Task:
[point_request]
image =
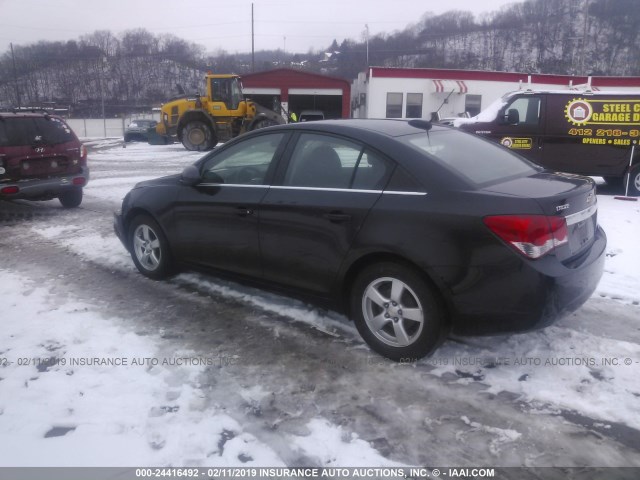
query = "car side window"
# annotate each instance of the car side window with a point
(372, 172)
(323, 161)
(4, 138)
(245, 163)
(528, 110)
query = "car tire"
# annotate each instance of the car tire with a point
(633, 179)
(397, 312)
(197, 136)
(149, 248)
(71, 198)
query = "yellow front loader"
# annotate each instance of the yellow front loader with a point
(200, 122)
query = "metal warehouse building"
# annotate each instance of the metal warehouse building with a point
(295, 91)
(421, 92)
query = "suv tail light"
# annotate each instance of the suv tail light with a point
(83, 155)
(532, 235)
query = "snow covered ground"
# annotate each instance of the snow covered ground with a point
(101, 367)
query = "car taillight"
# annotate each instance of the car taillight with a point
(79, 181)
(532, 235)
(83, 154)
(9, 190)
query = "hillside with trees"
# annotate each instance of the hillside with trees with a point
(138, 69)
(575, 37)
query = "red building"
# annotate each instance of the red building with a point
(295, 91)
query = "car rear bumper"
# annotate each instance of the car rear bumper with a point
(137, 133)
(44, 188)
(537, 293)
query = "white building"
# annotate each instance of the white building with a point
(421, 92)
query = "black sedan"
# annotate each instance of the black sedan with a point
(139, 130)
(410, 229)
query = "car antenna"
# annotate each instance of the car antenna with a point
(422, 124)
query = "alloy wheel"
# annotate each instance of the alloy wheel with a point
(393, 312)
(146, 246)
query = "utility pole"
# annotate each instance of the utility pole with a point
(101, 77)
(253, 52)
(366, 27)
(15, 75)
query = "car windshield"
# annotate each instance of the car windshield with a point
(471, 157)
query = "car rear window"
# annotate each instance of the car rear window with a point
(54, 131)
(15, 132)
(478, 160)
(21, 131)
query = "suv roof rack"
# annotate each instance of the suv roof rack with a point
(24, 110)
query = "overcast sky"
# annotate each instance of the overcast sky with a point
(293, 25)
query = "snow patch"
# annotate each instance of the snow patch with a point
(501, 436)
(329, 445)
(78, 392)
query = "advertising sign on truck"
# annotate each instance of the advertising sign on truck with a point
(587, 133)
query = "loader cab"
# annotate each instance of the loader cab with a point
(226, 89)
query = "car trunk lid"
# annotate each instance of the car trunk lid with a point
(567, 196)
(28, 162)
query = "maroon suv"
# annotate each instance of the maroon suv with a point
(41, 158)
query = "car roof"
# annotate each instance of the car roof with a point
(386, 127)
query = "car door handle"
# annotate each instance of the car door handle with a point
(337, 217)
(244, 211)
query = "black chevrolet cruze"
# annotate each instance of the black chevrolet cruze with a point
(411, 230)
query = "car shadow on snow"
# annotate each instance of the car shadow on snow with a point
(15, 211)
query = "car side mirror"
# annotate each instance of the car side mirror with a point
(513, 116)
(190, 175)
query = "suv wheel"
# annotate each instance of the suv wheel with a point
(396, 312)
(71, 198)
(149, 248)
